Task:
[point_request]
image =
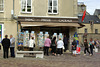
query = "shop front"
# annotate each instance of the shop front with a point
(41, 27)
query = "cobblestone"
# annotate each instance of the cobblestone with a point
(67, 60)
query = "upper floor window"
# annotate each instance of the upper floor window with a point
(85, 30)
(96, 31)
(1, 5)
(26, 6)
(52, 6)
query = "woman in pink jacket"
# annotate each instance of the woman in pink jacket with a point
(47, 44)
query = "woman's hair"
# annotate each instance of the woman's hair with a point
(32, 37)
(53, 39)
(59, 38)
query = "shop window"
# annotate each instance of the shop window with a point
(96, 31)
(1, 5)
(26, 6)
(52, 6)
(85, 30)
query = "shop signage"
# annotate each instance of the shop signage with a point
(41, 19)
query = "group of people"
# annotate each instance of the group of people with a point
(56, 46)
(92, 44)
(8, 43)
(53, 44)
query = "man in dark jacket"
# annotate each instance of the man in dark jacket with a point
(6, 44)
(65, 40)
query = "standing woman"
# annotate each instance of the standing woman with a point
(74, 44)
(54, 43)
(60, 45)
(86, 47)
(47, 44)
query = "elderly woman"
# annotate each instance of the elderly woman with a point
(47, 44)
(60, 45)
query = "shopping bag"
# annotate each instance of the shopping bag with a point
(96, 49)
(63, 47)
(78, 50)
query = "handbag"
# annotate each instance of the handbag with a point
(63, 47)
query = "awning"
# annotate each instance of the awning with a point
(49, 21)
(27, 24)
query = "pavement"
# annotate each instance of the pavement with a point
(67, 60)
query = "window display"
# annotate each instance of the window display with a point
(61, 36)
(40, 39)
(26, 38)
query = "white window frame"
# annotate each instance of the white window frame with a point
(26, 7)
(3, 6)
(52, 7)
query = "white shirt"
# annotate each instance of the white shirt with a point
(60, 44)
(31, 43)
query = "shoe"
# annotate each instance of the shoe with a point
(90, 54)
(58, 54)
(61, 54)
(84, 54)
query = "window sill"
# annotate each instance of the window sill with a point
(53, 13)
(26, 12)
(1, 11)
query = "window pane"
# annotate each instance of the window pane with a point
(54, 9)
(1, 2)
(28, 5)
(96, 31)
(1, 7)
(23, 5)
(55, 3)
(50, 10)
(50, 2)
(85, 30)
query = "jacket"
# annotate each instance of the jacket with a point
(60, 44)
(47, 42)
(6, 43)
(31, 43)
(12, 42)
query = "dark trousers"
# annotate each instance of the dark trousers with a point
(46, 49)
(65, 45)
(31, 49)
(86, 49)
(12, 51)
(53, 49)
(5, 52)
(59, 51)
(91, 49)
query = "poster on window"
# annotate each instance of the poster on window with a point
(26, 39)
(40, 39)
(20, 38)
(61, 36)
(55, 35)
(46, 35)
(32, 34)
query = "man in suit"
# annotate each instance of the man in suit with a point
(12, 46)
(6, 44)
